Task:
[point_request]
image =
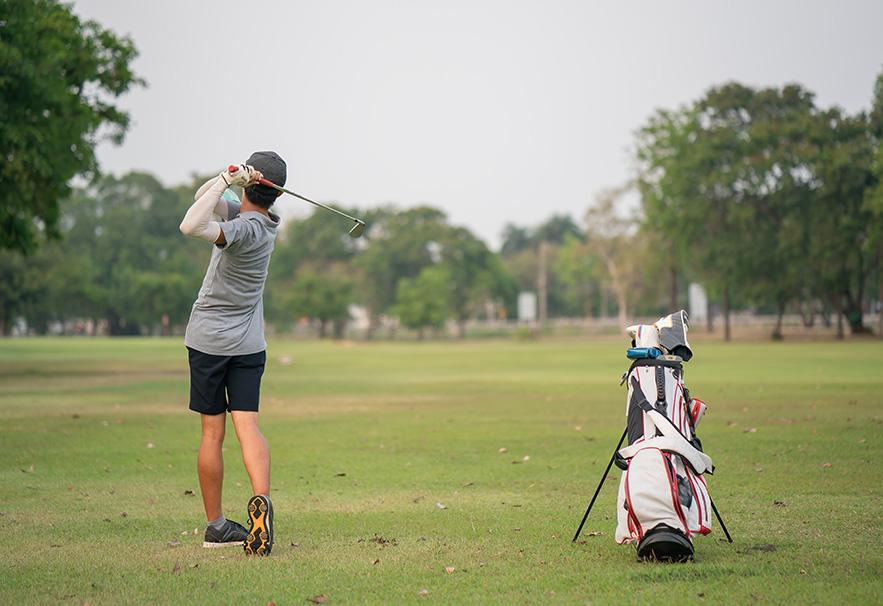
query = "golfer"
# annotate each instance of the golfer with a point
(225, 340)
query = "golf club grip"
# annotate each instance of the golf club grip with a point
(269, 183)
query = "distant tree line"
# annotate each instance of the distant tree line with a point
(121, 263)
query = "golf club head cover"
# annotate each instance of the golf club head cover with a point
(643, 335)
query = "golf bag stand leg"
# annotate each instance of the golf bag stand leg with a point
(720, 520)
(601, 483)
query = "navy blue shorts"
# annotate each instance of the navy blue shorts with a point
(222, 383)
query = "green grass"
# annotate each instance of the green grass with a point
(88, 511)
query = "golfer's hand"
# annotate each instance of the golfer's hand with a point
(242, 175)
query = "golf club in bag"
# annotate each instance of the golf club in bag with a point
(357, 229)
(663, 498)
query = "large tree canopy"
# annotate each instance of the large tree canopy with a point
(59, 79)
(764, 197)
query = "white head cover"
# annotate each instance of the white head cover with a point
(673, 334)
(644, 335)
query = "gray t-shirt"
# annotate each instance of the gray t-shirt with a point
(227, 318)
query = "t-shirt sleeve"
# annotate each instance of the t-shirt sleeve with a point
(239, 234)
(232, 209)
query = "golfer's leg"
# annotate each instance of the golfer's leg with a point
(210, 464)
(255, 450)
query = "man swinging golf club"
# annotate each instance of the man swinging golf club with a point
(225, 340)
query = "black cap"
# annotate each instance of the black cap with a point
(271, 165)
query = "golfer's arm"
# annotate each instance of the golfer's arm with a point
(197, 222)
(221, 208)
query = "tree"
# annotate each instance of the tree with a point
(530, 254)
(59, 78)
(729, 180)
(13, 299)
(140, 267)
(578, 269)
(313, 250)
(557, 229)
(422, 302)
(874, 192)
(516, 239)
(611, 237)
(121, 259)
(473, 275)
(772, 186)
(323, 296)
(841, 224)
(401, 244)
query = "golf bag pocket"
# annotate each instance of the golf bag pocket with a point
(697, 410)
(698, 510)
(649, 496)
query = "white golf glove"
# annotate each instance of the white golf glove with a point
(243, 175)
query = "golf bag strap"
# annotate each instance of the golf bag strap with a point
(661, 404)
(698, 462)
(650, 362)
(674, 441)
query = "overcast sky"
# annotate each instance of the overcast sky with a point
(495, 111)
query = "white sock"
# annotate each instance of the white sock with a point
(217, 523)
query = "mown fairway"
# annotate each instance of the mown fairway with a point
(97, 453)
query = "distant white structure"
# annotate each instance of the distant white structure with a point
(698, 301)
(527, 306)
(360, 319)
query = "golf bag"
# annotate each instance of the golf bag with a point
(663, 499)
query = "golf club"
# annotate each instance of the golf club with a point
(357, 230)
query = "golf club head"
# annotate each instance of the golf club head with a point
(357, 230)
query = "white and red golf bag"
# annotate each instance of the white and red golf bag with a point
(663, 498)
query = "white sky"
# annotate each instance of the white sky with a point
(495, 111)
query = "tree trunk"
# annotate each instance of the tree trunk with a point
(619, 291)
(420, 334)
(338, 327)
(604, 303)
(322, 326)
(880, 292)
(373, 321)
(622, 304)
(461, 328)
(824, 312)
(807, 314)
(777, 330)
(542, 284)
(709, 318)
(726, 303)
(673, 293)
(854, 314)
(838, 309)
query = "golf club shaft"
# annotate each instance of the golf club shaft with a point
(268, 183)
(600, 484)
(305, 199)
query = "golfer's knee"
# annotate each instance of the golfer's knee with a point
(246, 422)
(213, 435)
